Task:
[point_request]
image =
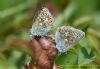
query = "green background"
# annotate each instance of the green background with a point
(16, 17)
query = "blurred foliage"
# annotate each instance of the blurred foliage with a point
(16, 19)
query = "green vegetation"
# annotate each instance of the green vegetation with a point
(16, 18)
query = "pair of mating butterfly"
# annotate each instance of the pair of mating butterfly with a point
(65, 37)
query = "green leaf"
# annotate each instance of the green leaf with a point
(66, 60)
(84, 43)
(83, 57)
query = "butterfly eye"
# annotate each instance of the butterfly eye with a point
(40, 26)
(66, 37)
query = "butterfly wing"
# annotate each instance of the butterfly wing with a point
(66, 37)
(43, 22)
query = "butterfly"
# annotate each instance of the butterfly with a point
(43, 23)
(66, 37)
